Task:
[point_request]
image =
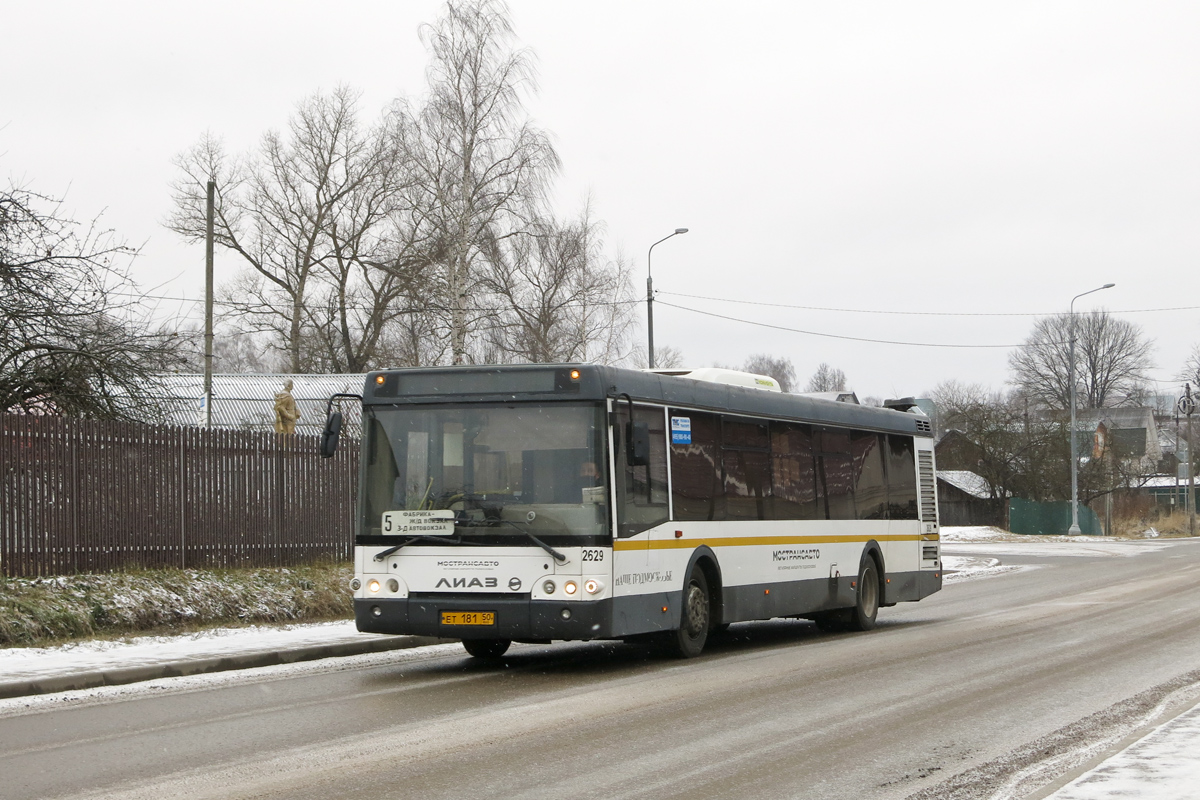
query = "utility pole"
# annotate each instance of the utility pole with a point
(208, 305)
(1074, 529)
(650, 298)
(1175, 496)
(1191, 492)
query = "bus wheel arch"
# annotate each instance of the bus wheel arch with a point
(705, 559)
(698, 605)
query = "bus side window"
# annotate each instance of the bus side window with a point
(902, 477)
(793, 472)
(697, 481)
(642, 492)
(837, 473)
(747, 469)
(870, 483)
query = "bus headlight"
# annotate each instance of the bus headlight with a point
(393, 585)
(373, 587)
(355, 584)
(592, 586)
(571, 587)
(548, 587)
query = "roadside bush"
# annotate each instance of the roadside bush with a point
(67, 607)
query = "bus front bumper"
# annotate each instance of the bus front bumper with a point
(515, 617)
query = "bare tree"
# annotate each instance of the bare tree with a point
(483, 167)
(419, 241)
(1111, 359)
(826, 379)
(313, 215)
(1191, 367)
(1016, 448)
(665, 357)
(234, 351)
(777, 367)
(72, 339)
(561, 299)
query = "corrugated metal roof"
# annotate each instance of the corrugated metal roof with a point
(967, 481)
(248, 401)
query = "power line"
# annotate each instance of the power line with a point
(914, 313)
(838, 336)
(247, 305)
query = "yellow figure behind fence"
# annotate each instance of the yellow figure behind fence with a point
(286, 412)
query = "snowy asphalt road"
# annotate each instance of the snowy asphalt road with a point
(998, 687)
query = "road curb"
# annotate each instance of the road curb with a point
(199, 666)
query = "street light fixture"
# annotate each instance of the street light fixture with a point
(650, 296)
(1074, 529)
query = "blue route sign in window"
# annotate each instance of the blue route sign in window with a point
(681, 430)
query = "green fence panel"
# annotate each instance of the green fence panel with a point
(1035, 519)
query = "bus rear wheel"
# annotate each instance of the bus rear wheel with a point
(688, 640)
(866, 604)
(486, 648)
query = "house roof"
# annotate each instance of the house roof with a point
(1140, 417)
(248, 401)
(966, 481)
(1164, 482)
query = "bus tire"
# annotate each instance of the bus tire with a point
(866, 602)
(688, 639)
(486, 648)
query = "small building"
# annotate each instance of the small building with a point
(965, 498)
(1131, 433)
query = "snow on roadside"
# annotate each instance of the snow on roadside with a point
(989, 533)
(39, 663)
(395, 659)
(1160, 764)
(957, 569)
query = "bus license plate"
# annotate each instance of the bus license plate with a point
(468, 618)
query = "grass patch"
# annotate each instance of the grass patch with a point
(45, 610)
(1167, 526)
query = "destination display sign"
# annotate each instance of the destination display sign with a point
(439, 522)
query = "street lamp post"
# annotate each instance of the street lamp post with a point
(650, 296)
(1074, 529)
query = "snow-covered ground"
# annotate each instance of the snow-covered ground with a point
(39, 663)
(1163, 764)
(993, 542)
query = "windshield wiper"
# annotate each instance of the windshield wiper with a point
(418, 538)
(559, 557)
(491, 523)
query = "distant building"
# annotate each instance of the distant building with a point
(964, 498)
(1132, 434)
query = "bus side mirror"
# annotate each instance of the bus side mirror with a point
(639, 444)
(329, 437)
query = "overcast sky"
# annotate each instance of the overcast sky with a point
(970, 165)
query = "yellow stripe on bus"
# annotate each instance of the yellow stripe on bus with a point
(749, 541)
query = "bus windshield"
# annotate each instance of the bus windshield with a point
(491, 464)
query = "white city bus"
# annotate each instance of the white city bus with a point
(538, 503)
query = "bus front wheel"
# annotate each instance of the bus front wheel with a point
(486, 648)
(688, 640)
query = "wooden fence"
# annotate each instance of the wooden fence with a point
(99, 496)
